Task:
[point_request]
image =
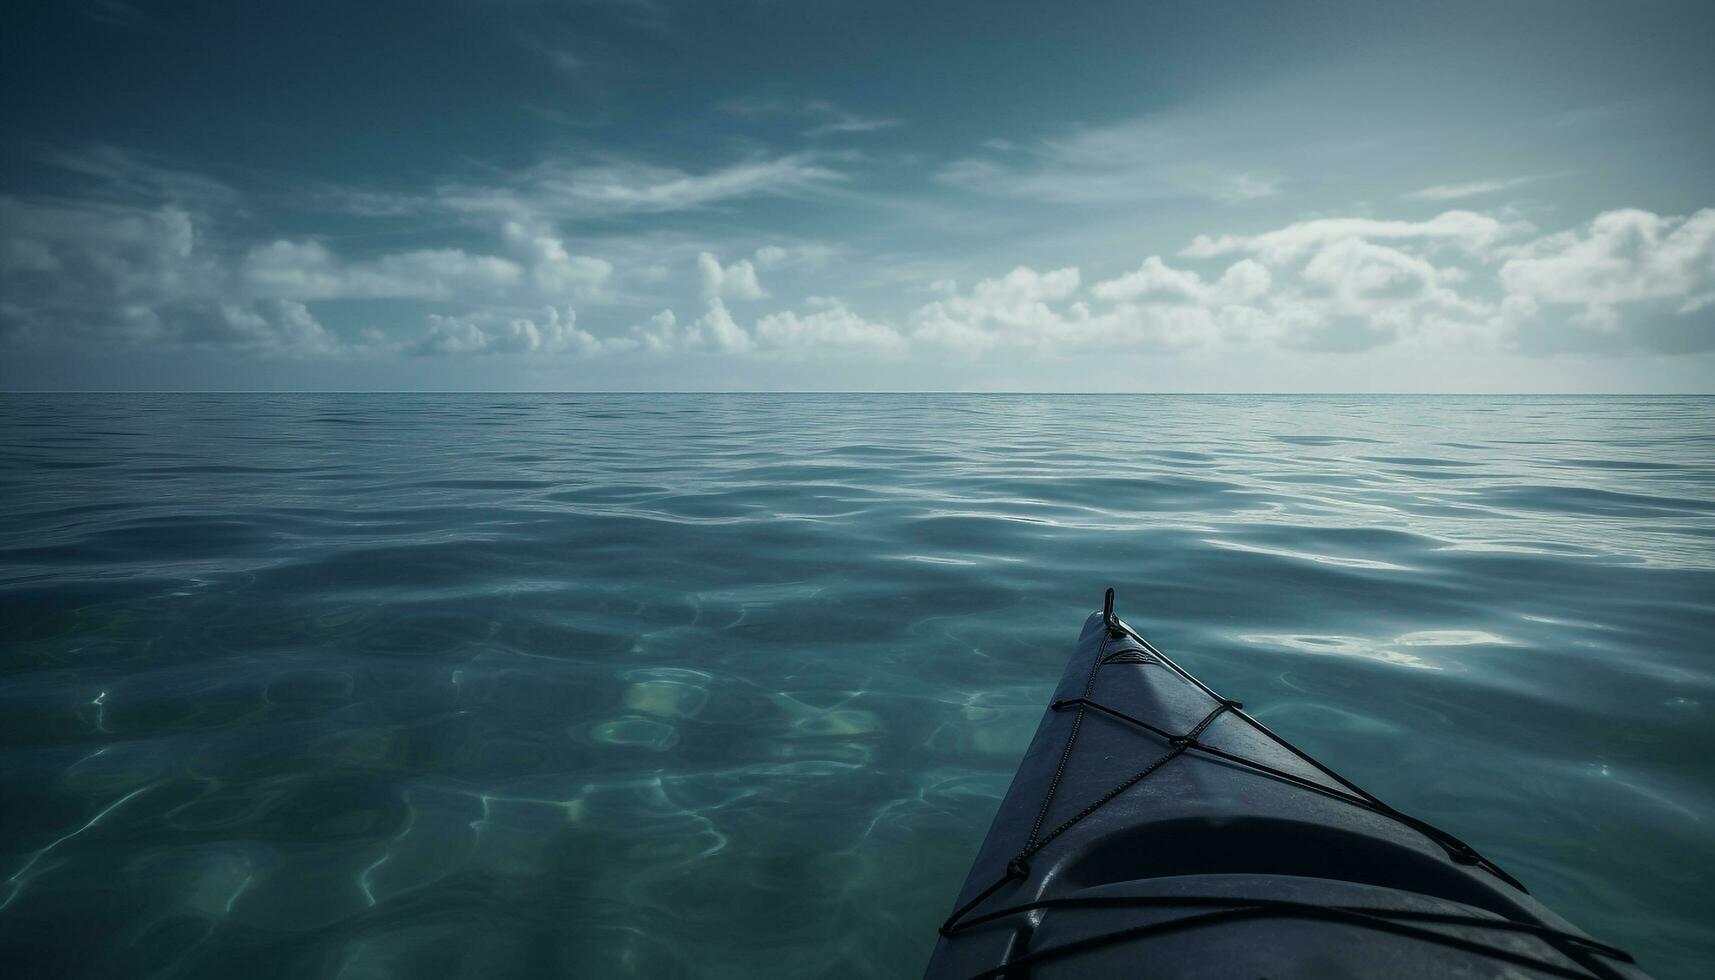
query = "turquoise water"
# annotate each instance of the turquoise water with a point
(367, 686)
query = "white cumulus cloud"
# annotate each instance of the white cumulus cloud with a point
(1622, 258)
(1243, 281)
(308, 270)
(735, 281)
(717, 329)
(553, 332)
(659, 334)
(1468, 230)
(127, 276)
(831, 327)
(554, 271)
(1010, 309)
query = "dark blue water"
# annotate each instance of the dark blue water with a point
(367, 686)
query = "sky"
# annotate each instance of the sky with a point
(1504, 196)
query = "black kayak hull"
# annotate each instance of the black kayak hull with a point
(1155, 829)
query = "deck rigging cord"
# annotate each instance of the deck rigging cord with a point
(1577, 949)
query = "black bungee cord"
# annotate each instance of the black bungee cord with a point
(1575, 948)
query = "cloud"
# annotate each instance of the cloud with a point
(558, 190)
(1005, 313)
(1009, 309)
(275, 326)
(829, 328)
(1128, 162)
(115, 175)
(556, 272)
(1475, 188)
(1243, 281)
(113, 13)
(717, 329)
(1017, 301)
(1461, 282)
(108, 272)
(1628, 256)
(560, 59)
(1353, 273)
(659, 334)
(123, 275)
(606, 186)
(798, 254)
(551, 333)
(823, 118)
(1315, 285)
(118, 275)
(848, 123)
(308, 270)
(1631, 279)
(1109, 184)
(1468, 230)
(735, 281)
(832, 327)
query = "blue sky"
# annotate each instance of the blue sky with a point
(627, 194)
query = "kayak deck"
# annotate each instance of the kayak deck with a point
(1154, 825)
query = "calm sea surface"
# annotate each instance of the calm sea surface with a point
(366, 686)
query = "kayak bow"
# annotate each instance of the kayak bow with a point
(1154, 828)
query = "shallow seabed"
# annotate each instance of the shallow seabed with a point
(364, 686)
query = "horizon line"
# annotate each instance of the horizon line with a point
(847, 391)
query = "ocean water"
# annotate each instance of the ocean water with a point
(370, 686)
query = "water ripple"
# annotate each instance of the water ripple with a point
(398, 685)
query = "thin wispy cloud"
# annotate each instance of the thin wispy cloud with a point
(608, 186)
(113, 13)
(620, 186)
(816, 117)
(559, 58)
(1473, 188)
(1120, 164)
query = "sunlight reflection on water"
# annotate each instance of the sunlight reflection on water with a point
(397, 685)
